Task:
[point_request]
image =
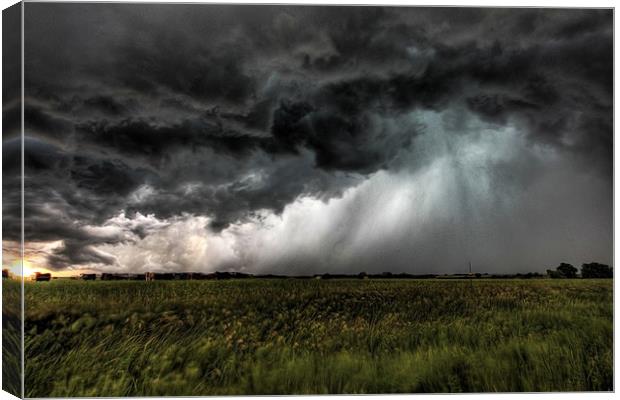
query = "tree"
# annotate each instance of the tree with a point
(596, 270)
(567, 270)
(553, 274)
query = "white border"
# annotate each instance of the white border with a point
(462, 3)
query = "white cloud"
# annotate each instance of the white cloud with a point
(176, 244)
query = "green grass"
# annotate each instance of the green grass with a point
(305, 337)
(11, 336)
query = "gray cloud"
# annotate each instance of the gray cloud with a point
(229, 112)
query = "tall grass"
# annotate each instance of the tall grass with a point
(303, 337)
(11, 336)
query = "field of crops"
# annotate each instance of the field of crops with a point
(309, 336)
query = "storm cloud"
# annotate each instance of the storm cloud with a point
(302, 139)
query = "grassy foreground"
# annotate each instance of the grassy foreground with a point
(304, 337)
(11, 337)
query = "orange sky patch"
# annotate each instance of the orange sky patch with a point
(35, 256)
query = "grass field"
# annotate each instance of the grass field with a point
(307, 336)
(11, 336)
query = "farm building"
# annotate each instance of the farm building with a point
(169, 276)
(121, 277)
(42, 277)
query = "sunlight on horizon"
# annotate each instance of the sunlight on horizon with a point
(30, 268)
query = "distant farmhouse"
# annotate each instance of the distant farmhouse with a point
(41, 277)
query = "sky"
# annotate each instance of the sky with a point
(305, 139)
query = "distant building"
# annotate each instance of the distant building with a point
(122, 277)
(189, 276)
(42, 277)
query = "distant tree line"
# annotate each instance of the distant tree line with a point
(563, 271)
(589, 270)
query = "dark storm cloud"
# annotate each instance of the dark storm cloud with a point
(192, 71)
(11, 188)
(106, 105)
(227, 110)
(140, 137)
(63, 193)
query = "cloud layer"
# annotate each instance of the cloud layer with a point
(301, 139)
